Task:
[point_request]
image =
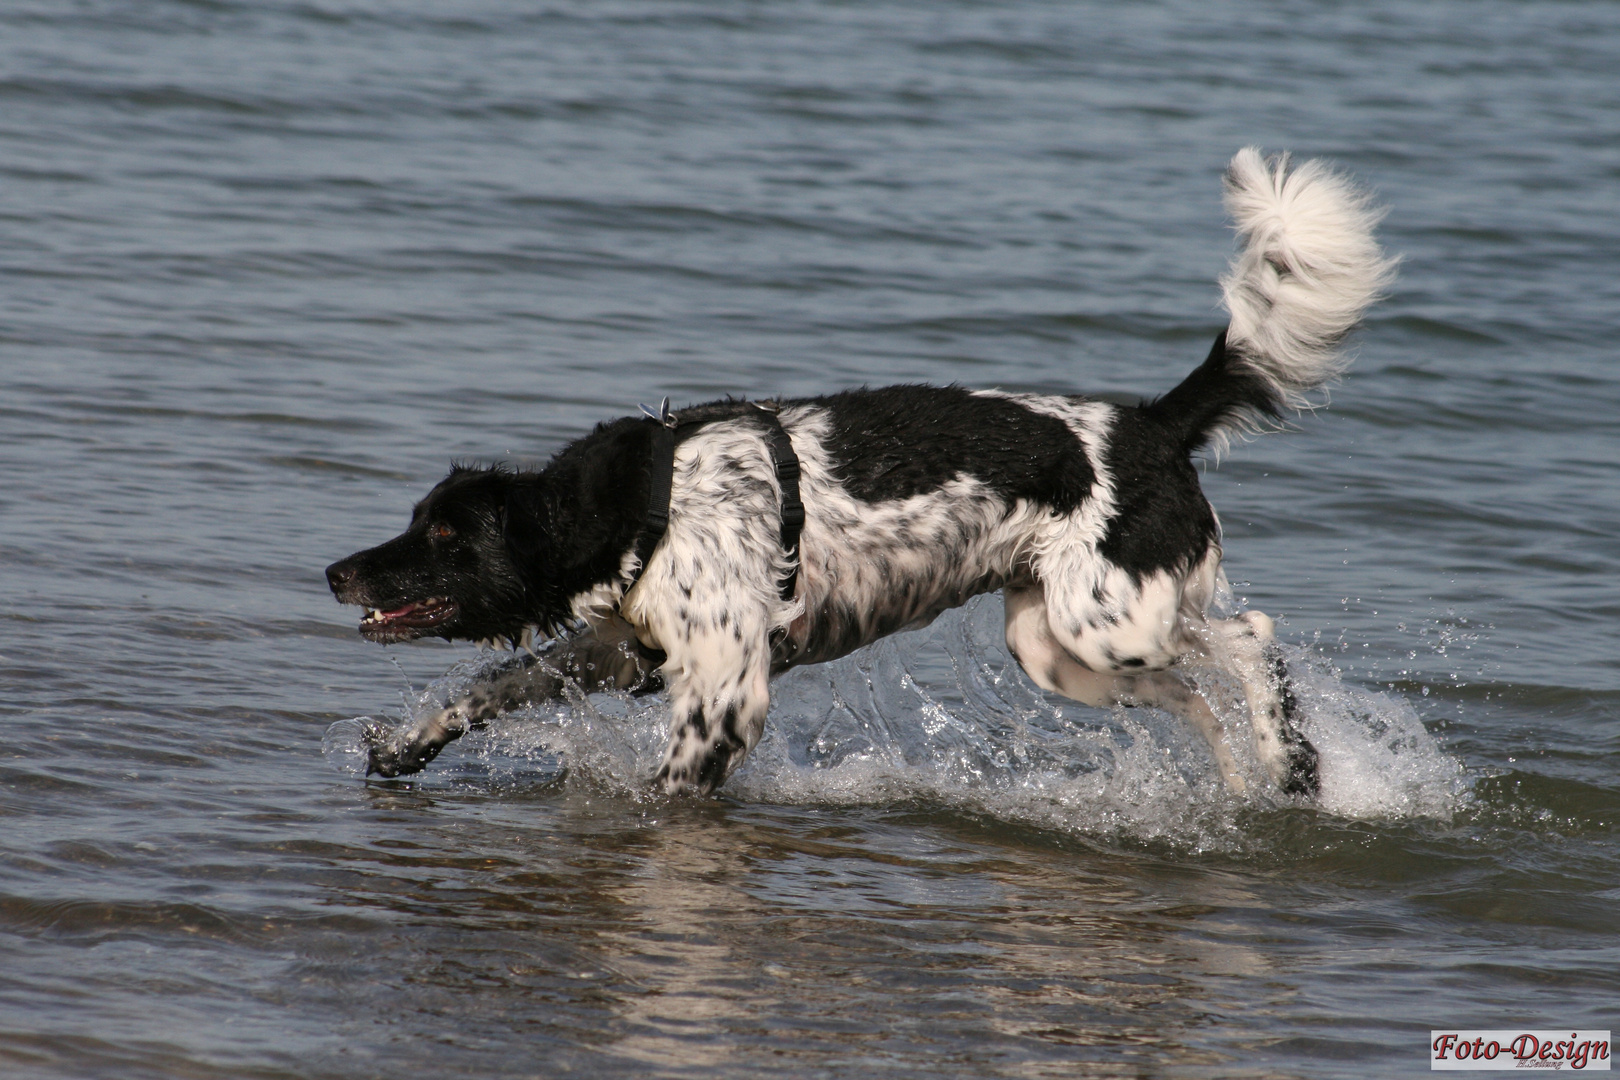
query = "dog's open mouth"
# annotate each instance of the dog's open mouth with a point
(410, 621)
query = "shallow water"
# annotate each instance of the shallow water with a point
(270, 266)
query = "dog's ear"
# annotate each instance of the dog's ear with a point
(606, 496)
(570, 525)
(608, 473)
(563, 519)
(526, 522)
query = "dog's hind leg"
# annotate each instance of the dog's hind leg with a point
(1053, 668)
(603, 659)
(1245, 647)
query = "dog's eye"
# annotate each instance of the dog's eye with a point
(441, 531)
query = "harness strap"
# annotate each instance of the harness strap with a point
(787, 475)
(663, 480)
(670, 434)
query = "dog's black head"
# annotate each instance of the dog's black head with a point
(451, 574)
(491, 552)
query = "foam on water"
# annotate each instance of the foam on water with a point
(944, 716)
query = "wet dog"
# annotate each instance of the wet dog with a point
(668, 552)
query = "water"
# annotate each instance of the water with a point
(269, 266)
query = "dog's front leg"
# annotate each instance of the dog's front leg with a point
(402, 751)
(719, 694)
(604, 659)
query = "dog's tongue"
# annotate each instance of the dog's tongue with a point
(397, 612)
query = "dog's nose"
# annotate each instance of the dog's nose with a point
(340, 575)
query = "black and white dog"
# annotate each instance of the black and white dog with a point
(1087, 515)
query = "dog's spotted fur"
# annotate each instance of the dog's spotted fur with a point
(1088, 515)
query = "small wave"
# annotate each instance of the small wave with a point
(944, 716)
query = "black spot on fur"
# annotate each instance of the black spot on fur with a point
(901, 441)
(1115, 660)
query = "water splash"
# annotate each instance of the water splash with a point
(944, 716)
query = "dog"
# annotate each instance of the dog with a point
(706, 551)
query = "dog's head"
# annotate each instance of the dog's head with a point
(491, 552)
(450, 575)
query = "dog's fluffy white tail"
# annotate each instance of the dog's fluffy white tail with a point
(1308, 269)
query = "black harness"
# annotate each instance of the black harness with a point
(671, 432)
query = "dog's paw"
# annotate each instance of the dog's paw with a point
(1261, 625)
(685, 780)
(392, 752)
(696, 775)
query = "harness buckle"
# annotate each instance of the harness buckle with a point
(661, 414)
